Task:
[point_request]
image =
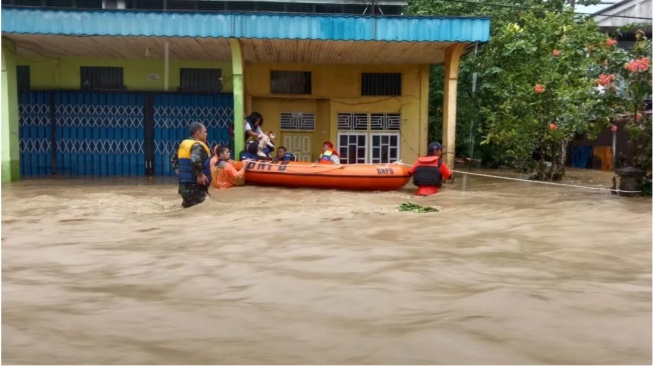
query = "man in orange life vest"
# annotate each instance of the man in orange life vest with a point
(329, 155)
(223, 173)
(429, 171)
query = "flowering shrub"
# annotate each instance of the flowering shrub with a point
(632, 68)
(541, 77)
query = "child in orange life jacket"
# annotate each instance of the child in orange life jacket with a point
(429, 171)
(329, 155)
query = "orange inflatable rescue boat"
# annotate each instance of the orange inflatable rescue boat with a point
(360, 177)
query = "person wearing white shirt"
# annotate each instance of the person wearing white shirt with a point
(253, 125)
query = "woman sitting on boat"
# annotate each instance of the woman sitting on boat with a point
(329, 155)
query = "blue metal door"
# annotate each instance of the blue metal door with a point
(173, 113)
(35, 134)
(99, 134)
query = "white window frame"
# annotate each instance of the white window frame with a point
(353, 133)
(370, 159)
(369, 134)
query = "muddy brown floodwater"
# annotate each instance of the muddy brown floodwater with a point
(115, 272)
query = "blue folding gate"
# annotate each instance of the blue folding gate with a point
(174, 112)
(35, 134)
(113, 134)
(99, 134)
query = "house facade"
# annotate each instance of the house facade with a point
(110, 90)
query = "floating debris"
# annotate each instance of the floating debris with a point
(408, 206)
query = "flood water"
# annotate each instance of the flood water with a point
(115, 272)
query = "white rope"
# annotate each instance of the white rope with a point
(535, 181)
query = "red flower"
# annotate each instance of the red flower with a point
(638, 116)
(539, 88)
(640, 65)
(611, 42)
(643, 64)
(556, 53)
(553, 126)
(604, 79)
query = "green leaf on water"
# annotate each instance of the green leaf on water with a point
(408, 206)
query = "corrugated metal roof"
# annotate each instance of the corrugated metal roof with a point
(245, 25)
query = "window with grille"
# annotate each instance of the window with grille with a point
(381, 84)
(99, 77)
(200, 80)
(384, 148)
(385, 121)
(369, 138)
(23, 77)
(290, 82)
(372, 121)
(297, 121)
(352, 121)
(352, 148)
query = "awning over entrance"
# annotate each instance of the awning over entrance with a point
(303, 38)
(245, 25)
(218, 49)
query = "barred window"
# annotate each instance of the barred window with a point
(107, 78)
(373, 84)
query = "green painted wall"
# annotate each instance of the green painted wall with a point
(9, 129)
(63, 72)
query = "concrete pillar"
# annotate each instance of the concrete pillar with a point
(9, 130)
(451, 63)
(239, 94)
